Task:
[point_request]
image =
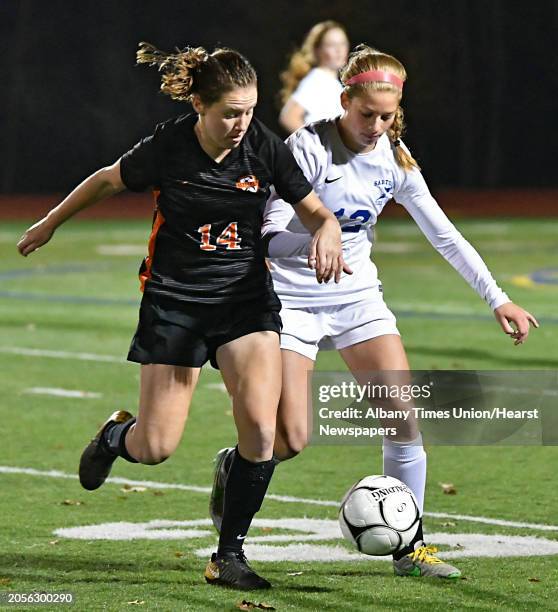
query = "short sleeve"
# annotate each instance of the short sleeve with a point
(288, 179)
(307, 91)
(139, 167)
(308, 152)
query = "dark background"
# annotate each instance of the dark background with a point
(480, 100)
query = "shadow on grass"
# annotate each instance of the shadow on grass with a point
(63, 568)
(360, 589)
(477, 354)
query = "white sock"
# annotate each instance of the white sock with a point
(406, 461)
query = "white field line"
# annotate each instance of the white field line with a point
(491, 521)
(4, 469)
(55, 392)
(30, 352)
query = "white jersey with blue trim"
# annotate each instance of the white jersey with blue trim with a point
(356, 188)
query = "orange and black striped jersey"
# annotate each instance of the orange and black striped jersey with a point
(206, 241)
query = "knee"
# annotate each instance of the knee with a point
(259, 443)
(289, 444)
(153, 452)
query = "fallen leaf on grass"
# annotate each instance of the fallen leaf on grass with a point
(267, 529)
(178, 554)
(53, 542)
(449, 524)
(158, 493)
(534, 580)
(72, 502)
(136, 602)
(131, 489)
(5, 581)
(448, 488)
(249, 605)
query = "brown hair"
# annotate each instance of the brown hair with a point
(363, 59)
(195, 71)
(304, 59)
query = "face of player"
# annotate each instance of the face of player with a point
(222, 125)
(367, 117)
(333, 50)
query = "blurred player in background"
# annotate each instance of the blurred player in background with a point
(356, 164)
(207, 292)
(311, 86)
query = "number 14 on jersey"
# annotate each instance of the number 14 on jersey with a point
(228, 237)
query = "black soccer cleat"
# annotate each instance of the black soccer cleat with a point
(96, 460)
(231, 570)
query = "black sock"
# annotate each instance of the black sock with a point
(409, 549)
(229, 459)
(245, 490)
(114, 438)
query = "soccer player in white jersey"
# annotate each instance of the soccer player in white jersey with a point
(356, 164)
(311, 85)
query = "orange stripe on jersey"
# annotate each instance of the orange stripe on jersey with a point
(145, 272)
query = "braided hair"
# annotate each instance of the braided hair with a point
(364, 59)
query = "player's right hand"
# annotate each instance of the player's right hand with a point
(326, 254)
(37, 235)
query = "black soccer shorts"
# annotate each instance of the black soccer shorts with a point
(188, 334)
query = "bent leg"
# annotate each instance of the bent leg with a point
(165, 396)
(294, 415)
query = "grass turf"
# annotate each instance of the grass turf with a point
(68, 297)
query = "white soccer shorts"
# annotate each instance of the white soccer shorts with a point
(307, 330)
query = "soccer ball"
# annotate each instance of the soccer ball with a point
(379, 515)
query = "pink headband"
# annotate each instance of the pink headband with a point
(376, 75)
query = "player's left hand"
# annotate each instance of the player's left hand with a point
(521, 319)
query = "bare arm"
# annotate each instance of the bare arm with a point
(326, 254)
(103, 183)
(292, 116)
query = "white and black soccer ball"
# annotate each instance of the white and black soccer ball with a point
(379, 515)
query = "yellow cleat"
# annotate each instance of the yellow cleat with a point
(423, 562)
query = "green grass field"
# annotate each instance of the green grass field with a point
(75, 297)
